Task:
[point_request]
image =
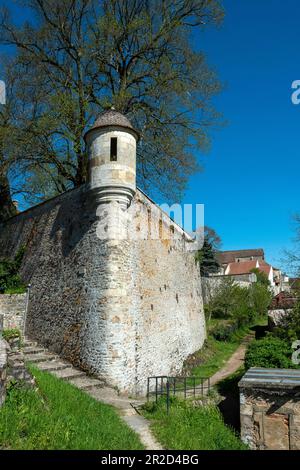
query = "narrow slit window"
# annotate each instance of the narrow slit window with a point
(113, 149)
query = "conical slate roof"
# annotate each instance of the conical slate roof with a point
(111, 117)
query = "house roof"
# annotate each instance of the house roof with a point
(283, 300)
(294, 283)
(245, 267)
(111, 117)
(226, 257)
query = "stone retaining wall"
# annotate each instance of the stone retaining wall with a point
(3, 369)
(12, 308)
(120, 309)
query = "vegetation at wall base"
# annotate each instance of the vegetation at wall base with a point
(11, 334)
(56, 415)
(208, 360)
(10, 281)
(191, 427)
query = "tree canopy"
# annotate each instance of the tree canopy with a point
(80, 57)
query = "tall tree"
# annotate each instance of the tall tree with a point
(207, 255)
(136, 55)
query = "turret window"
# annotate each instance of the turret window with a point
(113, 149)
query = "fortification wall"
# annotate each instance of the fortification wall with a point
(167, 288)
(59, 236)
(122, 309)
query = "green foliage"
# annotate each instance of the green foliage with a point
(262, 278)
(224, 331)
(10, 281)
(290, 326)
(260, 298)
(210, 358)
(270, 352)
(240, 305)
(58, 416)
(206, 257)
(11, 334)
(188, 427)
(138, 56)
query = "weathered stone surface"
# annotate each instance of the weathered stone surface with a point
(270, 414)
(12, 309)
(120, 307)
(3, 368)
(277, 316)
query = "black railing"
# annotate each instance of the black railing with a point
(184, 387)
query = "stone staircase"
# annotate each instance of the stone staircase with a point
(50, 362)
(96, 388)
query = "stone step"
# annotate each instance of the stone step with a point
(52, 366)
(28, 342)
(40, 357)
(86, 383)
(33, 350)
(68, 373)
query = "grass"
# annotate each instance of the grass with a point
(214, 354)
(15, 290)
(212, 357)
(188, 427)
(56, 415)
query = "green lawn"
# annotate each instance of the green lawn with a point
(214, 355)
(56, 415)
(191, 428)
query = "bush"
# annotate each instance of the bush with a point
(10, 280)
(290, 326)
(11, 334)
(224, 332)
(240, 305)
(269, 352)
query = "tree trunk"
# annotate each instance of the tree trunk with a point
(7, 208)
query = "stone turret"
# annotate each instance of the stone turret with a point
(111, 144)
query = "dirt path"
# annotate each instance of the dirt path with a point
(234, 362)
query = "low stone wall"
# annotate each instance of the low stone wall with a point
(276, 317)
(3, 369)
(12, 308)
(210, 285)
(270, 409)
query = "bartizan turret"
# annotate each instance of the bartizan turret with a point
(111, 145)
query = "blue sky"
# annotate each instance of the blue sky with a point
(250, 186)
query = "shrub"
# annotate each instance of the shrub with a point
(224, 332)
(240, 305)
(290, 326)
(270, 352)
(11, 334)
(10, 280)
